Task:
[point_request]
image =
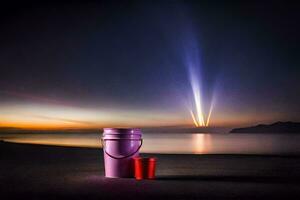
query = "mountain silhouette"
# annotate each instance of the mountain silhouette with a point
(277, 127)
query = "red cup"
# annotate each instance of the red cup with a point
(144, 168)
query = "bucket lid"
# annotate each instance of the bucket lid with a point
(122, 131)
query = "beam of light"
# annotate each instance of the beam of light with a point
(194, 119)
(193, 63)
(194, 81)
(199, 120)
(198, 107)
(198, 117)
(209, 114)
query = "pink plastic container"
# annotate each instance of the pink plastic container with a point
(120, 146)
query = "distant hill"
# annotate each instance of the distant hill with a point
(278, 127)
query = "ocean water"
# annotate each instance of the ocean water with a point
(179, 143)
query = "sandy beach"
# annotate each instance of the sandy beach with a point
(48, 172)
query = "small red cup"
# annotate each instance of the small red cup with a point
(144, 168)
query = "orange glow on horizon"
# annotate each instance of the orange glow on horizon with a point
(40, 126)
(53, 117)
(47, 117)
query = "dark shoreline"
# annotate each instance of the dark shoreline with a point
(277, 127)
(52, 172)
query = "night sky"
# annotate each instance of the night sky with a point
(125, 63)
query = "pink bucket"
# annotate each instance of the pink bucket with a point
(120, 146)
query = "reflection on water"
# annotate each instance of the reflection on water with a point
(177, 143)
(202, 143)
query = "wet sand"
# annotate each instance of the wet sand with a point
(47, 172)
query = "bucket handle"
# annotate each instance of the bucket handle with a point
(121, 157)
